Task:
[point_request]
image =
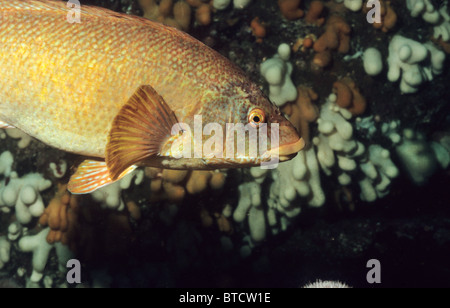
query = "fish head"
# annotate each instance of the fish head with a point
(253, 129)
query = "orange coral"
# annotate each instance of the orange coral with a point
(336, 7)
(335, 37)
(388, 16)
(217, 180)
(203, 10)
(198, 181)
(165, 7)
(303, 111)
(134, 210)
(203, 14)
(445, 45)
(349, 97)
(173, 184)
(165, 184)
(182, 14)
(258, 29)
(150, 8)
(315, 12)
(177, 15)
(61, 215)
(290, 9)
(308, 42)
(87, 229)
(194, 3)
(304, 43)
(223, 223)
(322, 59)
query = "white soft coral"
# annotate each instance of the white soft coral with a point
(277, 72)
(413, 63)
(442, 29)
(423, 8)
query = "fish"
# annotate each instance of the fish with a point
(113, 87)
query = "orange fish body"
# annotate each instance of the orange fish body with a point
(65, 83)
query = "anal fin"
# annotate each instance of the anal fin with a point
(5, 125)
(91, 175)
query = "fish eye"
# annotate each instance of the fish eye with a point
(256, 117)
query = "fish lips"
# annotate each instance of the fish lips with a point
(286, 151)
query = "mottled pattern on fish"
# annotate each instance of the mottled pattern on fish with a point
(64, 83)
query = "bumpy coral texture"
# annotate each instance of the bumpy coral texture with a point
(349, 96)
(335, 38)
(291, 9)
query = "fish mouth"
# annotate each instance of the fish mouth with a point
(287, 151)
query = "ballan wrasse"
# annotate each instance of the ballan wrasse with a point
(112, 86)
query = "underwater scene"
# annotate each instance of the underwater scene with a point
(224, 144)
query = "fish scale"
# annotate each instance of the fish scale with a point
(66, 81)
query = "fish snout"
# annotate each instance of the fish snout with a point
(290, 143)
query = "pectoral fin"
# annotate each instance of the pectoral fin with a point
(139, 130)
(91, 175)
